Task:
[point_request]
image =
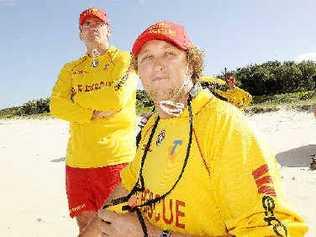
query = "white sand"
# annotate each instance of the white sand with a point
(33, 201)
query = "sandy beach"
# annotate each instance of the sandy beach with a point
(33, 201)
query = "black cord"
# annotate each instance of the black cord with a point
(140, 184)
(158, 199)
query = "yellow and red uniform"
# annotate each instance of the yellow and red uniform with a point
(230, 184)
(97, 149)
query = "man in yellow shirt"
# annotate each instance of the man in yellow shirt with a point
(227, 90)
(199, 169)
(96, 94)
(238, 96)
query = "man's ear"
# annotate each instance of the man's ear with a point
(189, 70)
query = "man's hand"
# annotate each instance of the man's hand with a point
(101, 114)
(122, 225)
(125, 225)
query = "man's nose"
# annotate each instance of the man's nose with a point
(159, 64)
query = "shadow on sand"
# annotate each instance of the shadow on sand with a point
(297, 157)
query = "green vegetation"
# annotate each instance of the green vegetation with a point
(273, 85)
(266, 103)
(273, 77)
(143, 103)
(31, 109)
(296, 101)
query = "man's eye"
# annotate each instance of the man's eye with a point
(146, 58)
(170, 53)
(100, 23)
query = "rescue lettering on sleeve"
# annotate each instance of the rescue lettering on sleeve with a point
(90, 87)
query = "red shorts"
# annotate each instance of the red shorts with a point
(87, 189)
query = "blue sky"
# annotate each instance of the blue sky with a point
(38, 37)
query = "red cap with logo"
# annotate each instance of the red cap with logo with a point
(93, 12)
(167, 31)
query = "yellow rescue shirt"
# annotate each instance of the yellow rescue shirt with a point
(81, 89)
(235, 96)
(230, 184)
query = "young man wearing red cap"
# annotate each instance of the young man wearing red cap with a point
(96, 94)
(185, 181)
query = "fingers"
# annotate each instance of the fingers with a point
(105, 227)
(106, 222)
(107, 216)
(101, 114)
(105, 114)
(133, 201)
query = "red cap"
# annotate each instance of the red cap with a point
(167, 31)
(93, 12)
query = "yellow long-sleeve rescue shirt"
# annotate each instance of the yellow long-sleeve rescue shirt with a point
(81, 89)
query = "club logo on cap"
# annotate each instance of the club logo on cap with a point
(91, 11)
(162, 28)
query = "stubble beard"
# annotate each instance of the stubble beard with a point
(157, 94)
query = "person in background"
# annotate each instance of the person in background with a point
(227, 90)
